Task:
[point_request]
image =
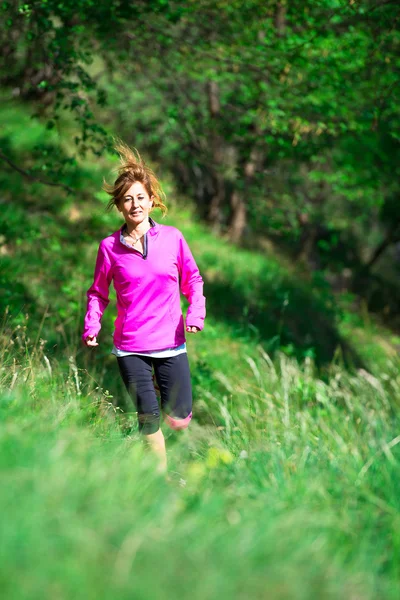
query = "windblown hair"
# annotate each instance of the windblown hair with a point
(133, 169)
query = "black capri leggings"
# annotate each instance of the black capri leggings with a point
(173, 379)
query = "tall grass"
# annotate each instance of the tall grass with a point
(290, 491)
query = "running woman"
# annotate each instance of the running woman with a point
(149, 265)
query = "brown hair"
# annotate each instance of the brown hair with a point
(132, 169)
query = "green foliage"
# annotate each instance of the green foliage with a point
(294, 482)
(49, 242)
(279, 119)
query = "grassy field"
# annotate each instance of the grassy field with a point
(286, 484)
(291, 491)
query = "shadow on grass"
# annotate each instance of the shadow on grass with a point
(281, 316)
(381, 296)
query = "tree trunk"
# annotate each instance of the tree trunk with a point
(308, 240)
(280, 18)
(392, 236)
(214, 216)
(239, 217)
(238, 220)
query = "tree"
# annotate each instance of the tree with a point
(226, 93)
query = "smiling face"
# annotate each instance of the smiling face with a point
(136, 204)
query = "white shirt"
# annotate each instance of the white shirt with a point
(167, 353)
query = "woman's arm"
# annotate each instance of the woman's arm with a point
(98, 297)
(191, 284)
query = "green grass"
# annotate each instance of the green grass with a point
(284, 486)
(294, 494)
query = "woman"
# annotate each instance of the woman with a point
(149, 265)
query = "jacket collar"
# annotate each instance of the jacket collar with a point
(155, 227)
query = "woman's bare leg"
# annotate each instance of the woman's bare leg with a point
(156, 442)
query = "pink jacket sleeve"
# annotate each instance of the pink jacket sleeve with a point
(191, 284)
(98, 294)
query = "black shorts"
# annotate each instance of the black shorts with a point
(173, 378)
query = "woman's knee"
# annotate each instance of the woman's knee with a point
(148, 423)
(177, 423)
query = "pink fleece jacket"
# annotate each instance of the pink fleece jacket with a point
(148, 289)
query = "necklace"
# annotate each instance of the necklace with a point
(136, 239)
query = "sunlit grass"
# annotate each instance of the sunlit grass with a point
(291, 487)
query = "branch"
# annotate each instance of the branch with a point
(32, 177)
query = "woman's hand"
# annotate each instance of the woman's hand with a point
(192, 329)
(91, 340)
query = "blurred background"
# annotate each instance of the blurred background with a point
(274, 129)
(276, 125)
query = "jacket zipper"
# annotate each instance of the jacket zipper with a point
(145, 246)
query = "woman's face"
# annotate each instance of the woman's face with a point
(135, 205)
